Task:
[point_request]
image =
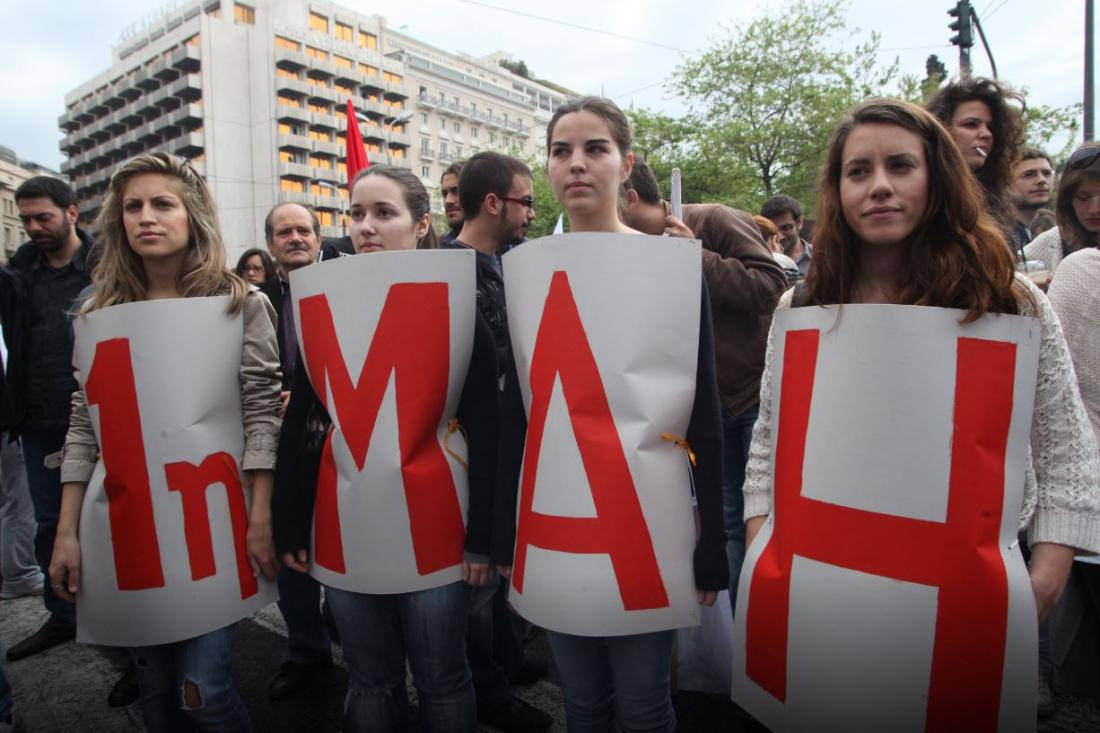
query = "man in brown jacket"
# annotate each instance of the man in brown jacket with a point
(744, 283)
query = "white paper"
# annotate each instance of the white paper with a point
(638, 300)
(374, 514)
(677, 209)
(879, 439)
(186, 358)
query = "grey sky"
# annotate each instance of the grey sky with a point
(48, 48)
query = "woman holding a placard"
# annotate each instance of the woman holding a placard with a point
(417, 619)
(614, 675)
(162, 245)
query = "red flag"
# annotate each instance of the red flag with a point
(355, 153)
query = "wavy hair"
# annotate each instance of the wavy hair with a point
(957, 256)
(119, 277)
(1074, 235)
(1007, 128)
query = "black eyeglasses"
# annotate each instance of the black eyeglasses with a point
(525, 201)
(1083, 157)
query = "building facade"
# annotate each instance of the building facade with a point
(13, 172)
(253, 94)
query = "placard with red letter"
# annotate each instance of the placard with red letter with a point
(386, 339)
(162, 528)
(605, 329)
(886, 591)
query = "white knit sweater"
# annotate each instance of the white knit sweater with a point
(1046, 248)
(1062, 484)
(1076, 299)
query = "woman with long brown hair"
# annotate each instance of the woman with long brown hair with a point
(902, 222)
(1077, 210)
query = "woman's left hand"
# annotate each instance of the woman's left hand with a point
(261, 549)
(706, 597)
(1049, 569)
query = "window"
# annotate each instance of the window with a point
(442, 148)
(343, 31)
(316, 53)
(442, 124)
(342, 62)
(244, 14)
(424, 118)
(192, 41)
(455, 101)
(474, 132)
(322, 108)
(368, 40)
(342, 167)
(425, 145)
(288, 101)
(318, 22)
(325, 217)
(285, 156)
(397, 152)
(368, 70)
(492, 137)
(348, 89)
(314, 81)
(473, 107)
(289, 184)
(320, 162)
(288, 44)
(284, 73)
(425, 172)
(285, 129)
(391, 77)
(458, 151)
(458, 127)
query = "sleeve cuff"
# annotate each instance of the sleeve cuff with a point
(259, 451)
(78, 462)
(1078, 530)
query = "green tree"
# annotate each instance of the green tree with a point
(1054, 129)
(769, 93)
(547, 207)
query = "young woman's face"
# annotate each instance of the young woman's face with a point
(156, 223)
(252, 270)
(883, 183)
(585, 166)
(380, 218)
(972, 128)
(1086, 204)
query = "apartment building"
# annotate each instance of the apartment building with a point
(13, 171)
(253, 94)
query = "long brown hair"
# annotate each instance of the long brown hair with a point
(120, 275)
(1074, 235)
(957, 257)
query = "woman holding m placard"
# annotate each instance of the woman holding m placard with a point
(161, 241)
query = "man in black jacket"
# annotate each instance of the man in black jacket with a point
(37, 291)
(293, 235)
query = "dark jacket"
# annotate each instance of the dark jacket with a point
(16, 291)
(745, 283)
(490, 299)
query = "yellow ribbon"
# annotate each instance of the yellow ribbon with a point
(681, 443)
(453, 426)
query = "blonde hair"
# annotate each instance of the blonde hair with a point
(119, 277)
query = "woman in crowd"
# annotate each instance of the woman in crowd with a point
(980, 116)
(427, 628)
(161, 240)
(900, 223)
(622, 682)
(1077, 210)
(255, 266)
(770, 232)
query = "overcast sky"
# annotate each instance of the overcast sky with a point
(48, 48)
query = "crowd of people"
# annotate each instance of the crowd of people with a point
(943, 206)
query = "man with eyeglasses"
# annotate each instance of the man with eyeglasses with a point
(786, 213)
(496, 195)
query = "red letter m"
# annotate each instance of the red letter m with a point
(960, 557)
(412, 341)
(619, 528)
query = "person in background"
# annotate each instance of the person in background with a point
(452, 207)
(770, 233)
(1077, 210)
(255, 266)
(786, 214)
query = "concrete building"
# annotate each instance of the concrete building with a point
(13, 172)
(253, 93)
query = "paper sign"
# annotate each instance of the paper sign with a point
(386, 339)
(605, 331)
(886, 591)
(162, 528)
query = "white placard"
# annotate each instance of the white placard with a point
(886, 591)
(162, 528)
(605, 329)
(392, 495)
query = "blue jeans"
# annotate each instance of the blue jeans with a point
(18, 567)
(165, 673)
(378, 632)
(45, 489)
(300, 603)
(736, 437)
(609, 680)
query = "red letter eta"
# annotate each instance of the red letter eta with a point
(619, 529)
(961, 556)
(412, 342)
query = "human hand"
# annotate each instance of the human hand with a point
(476, 573)
(297, 561)
(261, 550)
(284, 400)
(706, 597)
(676, 228)
(65, 567)
(505, 571)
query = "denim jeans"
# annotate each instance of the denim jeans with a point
(165, 670)
(378, 633)
(18, 567)
(300, 603)
(45, 489)
(609, 680)
(736, 437)
(5, 696)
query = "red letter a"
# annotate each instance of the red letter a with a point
(412, 341)
(619, 528)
